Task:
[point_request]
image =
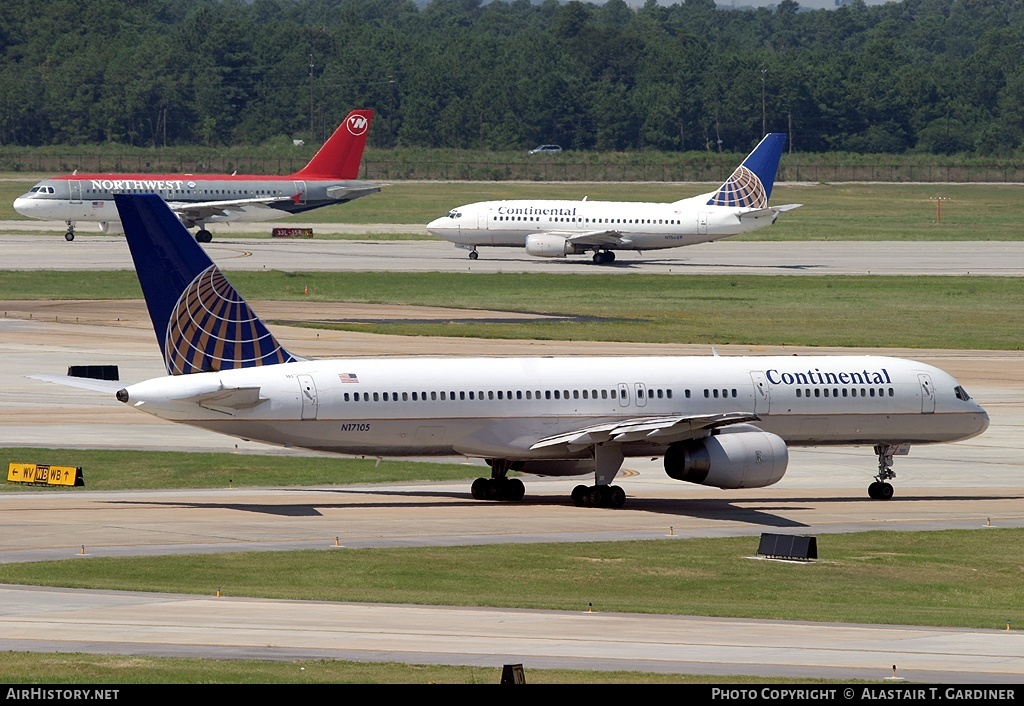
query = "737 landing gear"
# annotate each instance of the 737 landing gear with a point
(69, 235)
(603, 257)
(598, 496)
(499, 486)
(880, 489)
(473, 254)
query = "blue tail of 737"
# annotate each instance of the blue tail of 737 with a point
(201, 322)
(750, 186)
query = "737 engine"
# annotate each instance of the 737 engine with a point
(743, 459)
(549, 245)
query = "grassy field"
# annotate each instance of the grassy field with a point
(911, 312)
(961, 578)
(130, 470)
(853, 211)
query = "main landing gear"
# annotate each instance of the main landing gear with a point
(603, 257)
(499, 486)
(473, 254)
(598, 496)
(203, 236)
(69, 235)
(880, 489)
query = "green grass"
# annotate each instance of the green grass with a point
(953, 578)
(856, 211)
(911, 312)
(118, 469)
(62, 668)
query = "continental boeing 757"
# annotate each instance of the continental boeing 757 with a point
(197, 199)
(722, 421)
(556, 228)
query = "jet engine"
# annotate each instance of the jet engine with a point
(746, 459)
(108, 227)
(548, 245)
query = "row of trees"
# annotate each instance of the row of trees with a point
(935, 76)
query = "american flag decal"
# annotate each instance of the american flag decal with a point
(348, 377)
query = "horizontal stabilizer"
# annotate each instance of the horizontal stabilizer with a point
(230, 400)
(94, 384)
(348, 193)
(770, 211)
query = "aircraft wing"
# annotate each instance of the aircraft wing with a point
(776, 210)
(207, 209)
(594, 237)
(663, 430)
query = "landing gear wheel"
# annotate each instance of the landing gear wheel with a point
(514, 489)
(598, 496)
(69, 236)
(880, 491)
(204, 236)
(479, 489)
(602, 257)
(473, 254)
(616, 496)
(580, 495)
(498, 489)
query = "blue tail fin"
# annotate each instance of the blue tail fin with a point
(750, 186)
(201, 322)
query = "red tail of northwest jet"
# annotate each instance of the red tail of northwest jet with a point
(341, 155)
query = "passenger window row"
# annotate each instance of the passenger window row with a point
(463, 395)
(845, 392)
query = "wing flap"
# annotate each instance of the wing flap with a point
(596, 237)
(663, 430)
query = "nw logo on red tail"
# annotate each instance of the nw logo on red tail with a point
(357, 124)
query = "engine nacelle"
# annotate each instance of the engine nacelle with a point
(107, 227)
(548, 245)
(747, 459)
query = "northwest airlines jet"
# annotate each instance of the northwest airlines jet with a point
(549, 228)
(721, 421)
(198, 199)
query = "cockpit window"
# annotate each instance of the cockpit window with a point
(961, 393)
(454, 214)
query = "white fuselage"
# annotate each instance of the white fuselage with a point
(499, 407)
(641, 226)
(90, 198)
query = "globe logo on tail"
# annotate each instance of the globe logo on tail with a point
(741, 190)
(212, 328)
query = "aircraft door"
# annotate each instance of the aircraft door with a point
(702, 223)
(300, 193)
(762, 393)
(641, 394)
(623, 394)
(483, 219)
(307, 390)
(76, 191)
(927, 393)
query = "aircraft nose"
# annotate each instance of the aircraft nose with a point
(24, 205)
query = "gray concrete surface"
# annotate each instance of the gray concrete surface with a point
(995, 258)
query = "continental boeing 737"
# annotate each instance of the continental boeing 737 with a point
(719, 421)
(550, 228)
(198, 199)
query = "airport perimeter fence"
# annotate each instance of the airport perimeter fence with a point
(792, 169)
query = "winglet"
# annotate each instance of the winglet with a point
(201, 322)
(750, 186)
(341, 155)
